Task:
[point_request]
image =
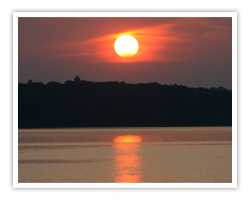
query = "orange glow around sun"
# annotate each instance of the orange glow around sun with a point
(138, 45)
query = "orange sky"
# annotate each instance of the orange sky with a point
(196, 52)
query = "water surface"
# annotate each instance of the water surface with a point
(125, 155)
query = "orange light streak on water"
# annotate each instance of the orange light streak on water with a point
(127, 139)
(127, 161)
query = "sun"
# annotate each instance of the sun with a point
(126, 46)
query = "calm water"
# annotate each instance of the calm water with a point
(151, 155)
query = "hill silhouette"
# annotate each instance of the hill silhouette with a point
(117, 104)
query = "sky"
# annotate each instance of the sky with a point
(195, 52)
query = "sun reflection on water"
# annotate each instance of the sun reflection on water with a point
(127, 161)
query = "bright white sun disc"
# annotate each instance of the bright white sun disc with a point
(126, 46)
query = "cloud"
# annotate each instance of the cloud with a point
(71, 55)
(183, 39)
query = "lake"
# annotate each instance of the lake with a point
(125, 155)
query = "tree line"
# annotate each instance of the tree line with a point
(118, 104)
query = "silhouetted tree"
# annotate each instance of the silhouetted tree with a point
(29, 82)
(77, 79)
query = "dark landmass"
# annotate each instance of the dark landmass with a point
(113, 104)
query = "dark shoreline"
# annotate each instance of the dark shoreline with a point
(83, 104)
